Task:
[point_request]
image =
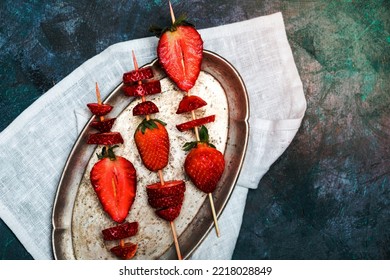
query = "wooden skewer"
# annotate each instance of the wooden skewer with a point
(173, 228)
(172, 14)
(139, 82)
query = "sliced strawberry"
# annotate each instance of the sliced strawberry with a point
(169, 188)
(198, 122)
(169, 214)
(125, 252)
(138, 75)
(105, 138)
(149, 88)
(180, 52)
(99, 109)
(152, 141)
(167, 201)
(145, 108)
(114, 181)
(104, 125)
(189, 103)
(121, 231)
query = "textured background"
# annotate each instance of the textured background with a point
(328, 196)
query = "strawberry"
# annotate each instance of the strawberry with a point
(204, 164)
(169, 188)
(198, 122)
(125, 252)
(105, 138)
(166, 201)
(138, 75)
(104, 125)
(190, 103)
(180, 52)
(145, 108)
(114, 180)
(170, 213)
(149, 88)
(152, 141)
(99, 109)
(121, 231)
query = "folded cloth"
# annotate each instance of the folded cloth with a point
(36, 145)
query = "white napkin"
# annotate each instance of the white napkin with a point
(34, 148)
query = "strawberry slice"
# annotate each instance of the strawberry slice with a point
(99, 109)
(138, 75)
(169, 214)
(167, 201)
(145, 108)
(189, 103)
(105, 138)
(149, 88)
(104, 125)
(169, 188)
(114, 181)
(198, 122)
(121, 231)
(125, 252)
(180, 52)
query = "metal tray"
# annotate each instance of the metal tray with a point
(196, 227)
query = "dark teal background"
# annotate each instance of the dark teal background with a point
(328, 195)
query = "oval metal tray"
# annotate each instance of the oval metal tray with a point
(197, 228)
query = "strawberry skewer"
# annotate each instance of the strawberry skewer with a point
(154, 130)
(114, 181)
(184, 71)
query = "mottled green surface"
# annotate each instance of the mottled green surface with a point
(328, 196)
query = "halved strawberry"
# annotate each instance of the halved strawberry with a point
(138, 75)
(189, 103)
(149, 88)
(166, 201)
(114, 181)
(152, 141)
(121, 231)
(169, 214)
(104, 125)
(105, 138)
(198, 122)
(169, 188)
(99, 109)
(145, 108)
(125, 252)
(180, 52)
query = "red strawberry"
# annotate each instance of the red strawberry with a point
(125, 252)
(189, 103)
(198, 122)
(152, 141)
(169, 188)
(169, 214)
(114, 180)
(99, 109)
(180, 52)
(138, 75)
(204, 164)
(149, 88)
(105, 138)
(145, 108)
(166, 201)
(104, 125)
(121, 231)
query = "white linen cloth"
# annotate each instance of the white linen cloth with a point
(35, 147)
